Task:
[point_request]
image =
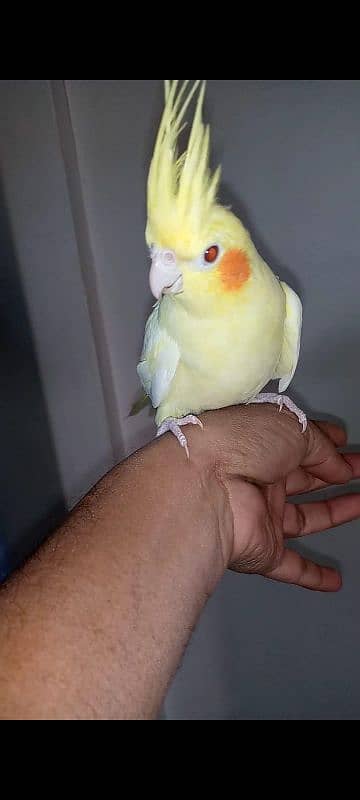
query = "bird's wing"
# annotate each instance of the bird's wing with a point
(292, 339)
(159, 361)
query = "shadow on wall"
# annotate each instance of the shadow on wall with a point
(31, 496)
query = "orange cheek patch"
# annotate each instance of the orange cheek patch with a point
(234, 270)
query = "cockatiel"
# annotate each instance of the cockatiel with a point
(224, 326)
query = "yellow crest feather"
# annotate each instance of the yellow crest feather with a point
(181, 190)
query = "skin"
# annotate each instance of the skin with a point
(95, 626)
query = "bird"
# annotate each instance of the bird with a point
(224, 325)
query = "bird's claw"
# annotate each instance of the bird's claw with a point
(174, 426)
(283, 402)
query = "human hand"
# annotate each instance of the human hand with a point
(261, 458)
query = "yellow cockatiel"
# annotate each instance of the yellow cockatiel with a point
(224, 326)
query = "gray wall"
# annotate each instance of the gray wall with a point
(74, 299)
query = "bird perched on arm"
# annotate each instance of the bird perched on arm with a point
(224, 326)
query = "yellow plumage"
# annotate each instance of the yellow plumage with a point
(181, 190)
(229, 326)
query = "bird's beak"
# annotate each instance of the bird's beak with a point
(165, 276)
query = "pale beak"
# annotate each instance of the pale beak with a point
(165, 276)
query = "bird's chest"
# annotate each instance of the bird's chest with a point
(242, 335)
(229, 356)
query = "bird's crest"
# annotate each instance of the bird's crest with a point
(181, 188)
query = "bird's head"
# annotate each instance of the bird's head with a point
(197, 246)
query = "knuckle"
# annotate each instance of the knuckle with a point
(300, 521)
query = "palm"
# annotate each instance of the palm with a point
(258, 525)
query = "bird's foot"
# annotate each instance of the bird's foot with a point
(283, 402)
(174, 426)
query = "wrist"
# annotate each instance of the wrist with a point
(194, 494)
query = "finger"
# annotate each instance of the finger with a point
(301, 482)
(323, 461)
(336, 433)
(304, 520)
(353, 459)
(299, 571)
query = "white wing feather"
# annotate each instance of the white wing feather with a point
(159, 360)
(292, 339)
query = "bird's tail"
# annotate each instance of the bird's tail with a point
(140, 404)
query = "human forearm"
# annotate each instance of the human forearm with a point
(96, 624)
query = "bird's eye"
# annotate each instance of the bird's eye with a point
(212, 254)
